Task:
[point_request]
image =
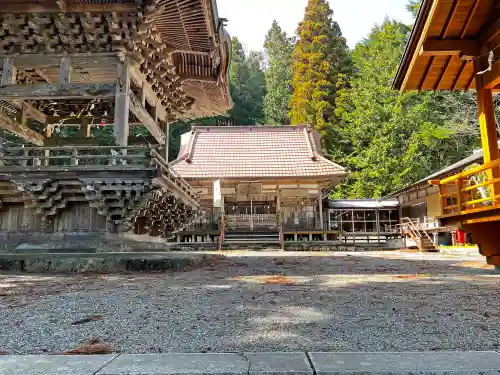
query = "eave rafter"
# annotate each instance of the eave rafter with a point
(467, 49)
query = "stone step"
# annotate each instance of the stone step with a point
(250, 241)
(251, 235)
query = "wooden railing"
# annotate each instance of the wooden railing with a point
(415, 229)
(303, 223)
(462, 194)
(71, 156)
(172, 175)
(21, 159)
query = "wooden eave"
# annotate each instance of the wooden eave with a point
(448, 36)
(190, 31)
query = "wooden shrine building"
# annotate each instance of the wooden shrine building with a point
(119, 62)
(455, 45)
(272, 179)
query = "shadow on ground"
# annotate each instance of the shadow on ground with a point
(392, 301)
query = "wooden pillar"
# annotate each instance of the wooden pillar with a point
(8, 72)
(487, 126)
(2, 140)
(320, 206)
(85, 127)
(167, 140)
(377, 219)
(122, 102)
(65, 71)
(74, 157)
(278, 205)
(353, 229)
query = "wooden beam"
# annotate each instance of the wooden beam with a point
(490, 30)
(467, 49)
(121, 126)
(82, 141)
(30, 111)
(147, 92)
(66, 91)
(21, 116)
(41, 60)
(491, 78)
(209, 79)
(52, 7)
(20, 130)
(145, 118)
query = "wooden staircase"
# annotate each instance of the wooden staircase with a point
(419, 235)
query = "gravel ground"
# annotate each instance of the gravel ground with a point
(374, 301)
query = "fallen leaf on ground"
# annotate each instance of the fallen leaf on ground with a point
(91, 318)
(94, 346)
(282, 280)
(412, 276)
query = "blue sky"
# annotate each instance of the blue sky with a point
(250, 20)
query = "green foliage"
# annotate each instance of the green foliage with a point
(388, 139)
(278, 50)
(248, 86)
(320, 55)
(414, 6)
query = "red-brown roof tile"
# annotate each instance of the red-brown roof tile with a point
(253, 152)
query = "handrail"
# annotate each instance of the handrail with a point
(464, 194)
(468, 173)
(415, 232)
(70, 148)
(169, 172)
(23, 158)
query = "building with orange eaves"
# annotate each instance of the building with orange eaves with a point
(455, 45)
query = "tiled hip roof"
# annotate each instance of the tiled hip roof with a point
(253, 152)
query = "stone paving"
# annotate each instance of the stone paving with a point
(271, 363)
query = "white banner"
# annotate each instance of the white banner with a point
(217, 194)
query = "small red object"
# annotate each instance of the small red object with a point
(102, 123)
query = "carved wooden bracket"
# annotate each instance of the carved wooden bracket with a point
(46, 198)
(164, 215)
(118, 200)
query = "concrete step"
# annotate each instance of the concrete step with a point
(106, 262)
(255, 363)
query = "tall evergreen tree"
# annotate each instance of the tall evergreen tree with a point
(278, 49)
(319, 56)
(392, 139)
(248, 86)
(414, 6)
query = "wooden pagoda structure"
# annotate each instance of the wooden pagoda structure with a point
(455, 45)
(81, 63)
